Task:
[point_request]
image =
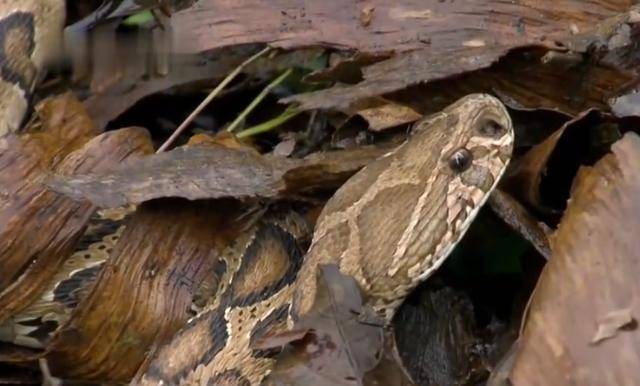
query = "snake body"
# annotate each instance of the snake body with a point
(30, 38)
(390, 226)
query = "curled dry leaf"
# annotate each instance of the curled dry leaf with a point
(434, 39)
(213, 171)
(446, 56)
(542, 177)
(525, 79)
(593, 271)
(168, 253)
(40, 227)
(344, 344)
(195, 172)
(399, 72)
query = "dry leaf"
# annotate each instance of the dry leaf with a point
(108, 104)
(144, 292)
(344, 343)
(198, 172)
(593, 270)
(614, 321)
(398, 27)
(31, 258)
(383, 114)
(541, 178)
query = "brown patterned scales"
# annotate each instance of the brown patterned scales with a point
(390, 226)
(30, 38)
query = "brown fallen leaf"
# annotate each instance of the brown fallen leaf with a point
(383, 114)
(397, 27)
(524, 79)
(541, 178)
(400, 72)
(593, 270)
(613, 322)
(344, 345)
(39, 227)
(169, 250)
(214, 171)
(24, 162)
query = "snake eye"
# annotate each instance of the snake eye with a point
(491, 128)
(460, 160)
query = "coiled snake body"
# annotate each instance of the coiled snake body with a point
(389, 226)
(30, 37)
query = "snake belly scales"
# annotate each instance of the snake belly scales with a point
(390, 226)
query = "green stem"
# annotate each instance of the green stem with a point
(270, 124)
(257, 100)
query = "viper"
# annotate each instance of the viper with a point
(390, 226)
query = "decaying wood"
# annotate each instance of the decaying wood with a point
(592, 275)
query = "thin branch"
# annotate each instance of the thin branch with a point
(209, 98)
(257, 100)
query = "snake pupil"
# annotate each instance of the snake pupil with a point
(460, 160)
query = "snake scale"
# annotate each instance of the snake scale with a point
(390, 226)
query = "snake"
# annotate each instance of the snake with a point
(389, 226)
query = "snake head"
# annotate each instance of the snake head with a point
(394, 223)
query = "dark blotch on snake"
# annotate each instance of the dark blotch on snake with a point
(70, 291)
(18, 70)
(267, 233)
